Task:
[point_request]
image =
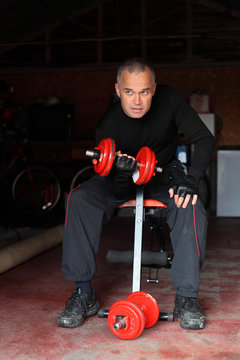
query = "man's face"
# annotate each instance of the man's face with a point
(136, 91)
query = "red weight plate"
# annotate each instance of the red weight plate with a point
(147, 159)
(103, 147)
(143, 157)
(148, 304)
(133, 318)
(107, 153)
(111, 156)
(152, 164)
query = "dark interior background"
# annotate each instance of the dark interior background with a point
(67, 52)
(71, 50)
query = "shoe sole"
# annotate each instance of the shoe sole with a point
(70, 326)
(194, 325)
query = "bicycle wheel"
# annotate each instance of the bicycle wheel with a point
(81, 176)
(36, 190)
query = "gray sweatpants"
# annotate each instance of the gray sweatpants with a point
(91, 205)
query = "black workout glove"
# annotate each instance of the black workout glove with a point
(121, 182)
(181, 183)
(187, 187)
(124, 164)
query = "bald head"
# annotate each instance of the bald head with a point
(135, 66)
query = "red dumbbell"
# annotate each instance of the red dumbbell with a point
(104, 154)
(127, 318)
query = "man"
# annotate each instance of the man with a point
(146, 115)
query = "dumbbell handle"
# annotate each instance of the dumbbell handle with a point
(103, 313)
(95, 154)
(120, 324)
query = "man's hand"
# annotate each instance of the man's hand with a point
(124, 163)
(183, 193)
(121, 176)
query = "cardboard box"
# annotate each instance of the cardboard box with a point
(200, 103)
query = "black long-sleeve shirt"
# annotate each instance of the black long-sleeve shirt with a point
(158, 129)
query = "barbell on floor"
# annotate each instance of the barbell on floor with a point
(104, 154)
(128, 318)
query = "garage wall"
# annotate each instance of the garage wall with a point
(91, 91)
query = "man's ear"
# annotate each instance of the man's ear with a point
(154, 88)
(117, 89)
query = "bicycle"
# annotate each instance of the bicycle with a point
(81, 176)
(34, 189)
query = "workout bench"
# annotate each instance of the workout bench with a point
(127, 318)
(138, 257)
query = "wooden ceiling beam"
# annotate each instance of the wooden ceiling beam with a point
(219, 7)
(56, 24)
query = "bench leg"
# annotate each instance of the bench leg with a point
(136, 282)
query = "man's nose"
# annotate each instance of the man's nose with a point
(137, 99)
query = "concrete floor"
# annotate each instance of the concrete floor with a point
(34, 293)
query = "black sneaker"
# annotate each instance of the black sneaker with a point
(188, 310)
(77, 307)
